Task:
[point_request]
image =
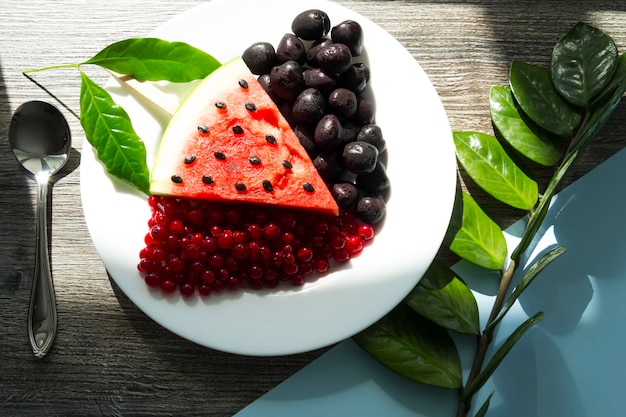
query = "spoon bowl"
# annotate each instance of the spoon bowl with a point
(40, 139)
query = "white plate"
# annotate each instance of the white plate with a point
(421, 167)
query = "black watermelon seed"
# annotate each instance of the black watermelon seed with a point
(308, 187)
(177, 179)
(250, 107)
(220, 104)
(287, 164)
(255, 160)
(240, 186)
(207, 179)
(270, 139)
(268, 186)
(189, 159)
(219, 155)
(203, 129)
(243, 83)
(238, 130)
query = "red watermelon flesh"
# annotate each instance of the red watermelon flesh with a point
(228, 142)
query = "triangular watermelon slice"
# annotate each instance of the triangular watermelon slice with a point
(228, 142)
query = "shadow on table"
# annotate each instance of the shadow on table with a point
(529, 29)
(17, 232)
(16, 236)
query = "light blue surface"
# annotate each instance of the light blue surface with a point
(571, 364)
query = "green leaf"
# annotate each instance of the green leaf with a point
(482, 412)
(500, 354)
(601, 113)
(479, 240)
(152, 59)
(545, 260)
(533, 89)
(413, 347)
(602, 110)
(443, 298)
(525, 136)
(617, 86)
(488, 164)
(109, 130)
(583, 63)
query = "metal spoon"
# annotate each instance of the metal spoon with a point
(40, 140)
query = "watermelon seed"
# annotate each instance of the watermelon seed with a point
(268, 186)
(287, 164)
(203, 129)
(219, 155)
(308, 187)
(238, 130)
(207, 179)
(177, 179)
(270, 139)
(255, 160)
(243, 83)
(240, 186)
(220, 104)
(189, 159)
(250, 107)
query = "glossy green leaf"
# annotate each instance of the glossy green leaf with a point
(601, 113)
(617, 86)
(583, 63)
(488, 164)
(500, 354)
(524, 136)
(414, 347)
(152, 59)
(533, 89)
(479, 240)
(532, 272)
(109, 130)
(602, 110)
(443, 298)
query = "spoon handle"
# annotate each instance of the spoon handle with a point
(42, 311)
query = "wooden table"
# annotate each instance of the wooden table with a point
(108, 357)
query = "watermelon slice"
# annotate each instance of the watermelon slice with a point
(228, 142)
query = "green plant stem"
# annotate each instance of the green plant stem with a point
(536, 219)
(485, 338)
(51, 67)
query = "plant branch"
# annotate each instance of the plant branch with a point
(484, 340)
(51, 67)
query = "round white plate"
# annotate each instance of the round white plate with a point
(287, 320)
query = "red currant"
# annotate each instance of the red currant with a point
(366, 232)
(354, 245)
(206, 247)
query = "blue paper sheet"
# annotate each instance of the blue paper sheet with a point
(571, 364)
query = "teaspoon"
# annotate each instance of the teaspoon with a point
(40, 140)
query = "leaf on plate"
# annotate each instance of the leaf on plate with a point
(109, 130)
(500, 354)
(525, 136)
(152, 59)
(533, 89)
(443, 298)
(583, 63)
(479, 240)
(488, 164)
(414, 347)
